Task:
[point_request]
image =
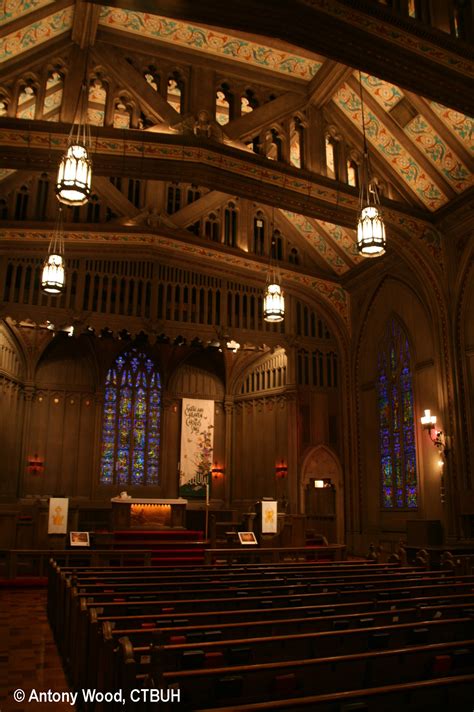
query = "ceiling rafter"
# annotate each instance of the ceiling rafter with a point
(423, 107)
(114, 198)
(85, 24)
(260, 118)
(426, 51)
(324, 234)
(323, 85)
(146, 46)
(395, 129)
(319, 92)
(288, 228)
(14, 181)
(129, 78)
(199, 208)
(380, 167)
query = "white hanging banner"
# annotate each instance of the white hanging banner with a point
(197, 442)
(58, 510)
(269, 517)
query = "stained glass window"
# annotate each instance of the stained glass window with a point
(396, 422)
(131, 426)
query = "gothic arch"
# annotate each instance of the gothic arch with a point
(321, 462)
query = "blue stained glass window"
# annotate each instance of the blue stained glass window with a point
(396, 422)
(131, 422)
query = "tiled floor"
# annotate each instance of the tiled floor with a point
(28, 656)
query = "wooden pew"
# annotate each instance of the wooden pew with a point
(87, 630)
(449, 693)
(342, 587)
(257, 650)
(313, 676)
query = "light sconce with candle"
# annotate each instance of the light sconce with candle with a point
(438, 438)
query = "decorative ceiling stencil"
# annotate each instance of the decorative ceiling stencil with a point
(386, 94)
(35, 34)
(462, 125)
(396, 155)
(13, 9)
(345, 239)
(322, 246)
(445, 160)
(210, 41)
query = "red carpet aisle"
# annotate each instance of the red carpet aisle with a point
(28, 656)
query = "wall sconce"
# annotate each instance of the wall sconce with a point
(319, 484)
(281, 471)
(438, 439)
(34, 465)
(217, 471)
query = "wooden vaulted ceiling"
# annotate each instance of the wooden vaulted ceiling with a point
(422, 147)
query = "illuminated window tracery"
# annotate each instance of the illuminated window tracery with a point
(131, 422)
(396, 421)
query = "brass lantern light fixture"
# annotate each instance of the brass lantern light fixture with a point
(53, 276)
(73, 184)
(274, 299)
(371, 238)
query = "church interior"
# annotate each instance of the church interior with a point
(236, 274)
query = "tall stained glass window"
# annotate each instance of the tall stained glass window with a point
(131, 426)
(397, 427)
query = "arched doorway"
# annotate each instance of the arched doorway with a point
(326, 506)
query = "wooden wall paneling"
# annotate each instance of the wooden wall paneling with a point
(86, 473)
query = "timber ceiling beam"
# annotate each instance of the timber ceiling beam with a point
(199, 208)
(85, 24)
(190, 159)
(413, 56)
(423, 107)
(114, 198)
(381, 167)
(274, 111)
(228, 68)
(286, 227)
(329, 78)
(127, 77)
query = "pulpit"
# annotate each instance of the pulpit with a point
(136, 513)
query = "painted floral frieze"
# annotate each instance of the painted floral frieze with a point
(388, 146)
(316, 240)
(13, 9)
(35, 34)
(386, 94)
(202, 39)
(439, 153)
(462, 125)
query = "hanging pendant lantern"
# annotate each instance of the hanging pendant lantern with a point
(73, 184)
(53, 276)
(274, 300)
(273, 304)
(371, 239)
